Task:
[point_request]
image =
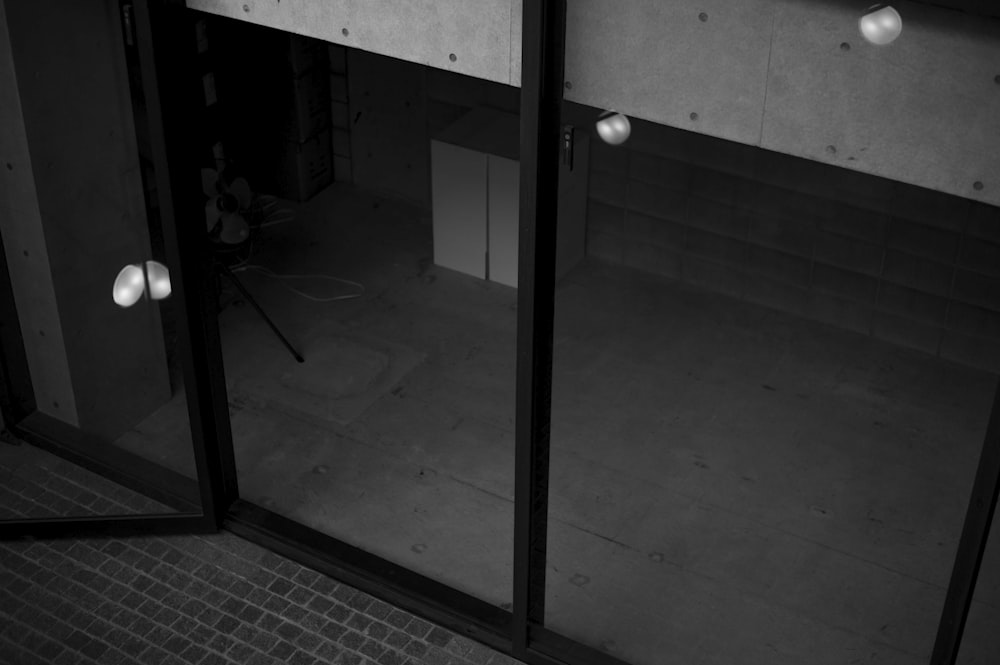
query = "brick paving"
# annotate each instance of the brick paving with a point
(182, 600)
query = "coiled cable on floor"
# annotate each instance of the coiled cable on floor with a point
(266, 209)
(275, 275)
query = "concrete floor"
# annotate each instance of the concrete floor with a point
(786, 492)
(729, 484)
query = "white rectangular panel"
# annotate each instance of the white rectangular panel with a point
(458, 200)
(502, 220)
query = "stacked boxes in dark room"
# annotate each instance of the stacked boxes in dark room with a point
(275, 90)
(211, 120)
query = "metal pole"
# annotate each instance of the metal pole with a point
(971, 545)
(542, 69)
(166, 52)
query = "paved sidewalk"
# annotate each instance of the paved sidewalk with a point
(185, 600)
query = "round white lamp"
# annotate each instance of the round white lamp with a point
(129, 286)
(158, 278)
(613, 127)
(132, 280)
(881, 24)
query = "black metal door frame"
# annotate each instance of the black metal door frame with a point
(971, 545)
(164, 50)
(199, 505)
(543, 53)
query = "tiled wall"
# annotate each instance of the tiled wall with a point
(901, 263)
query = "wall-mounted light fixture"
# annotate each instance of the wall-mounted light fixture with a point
(881, 24)
(613, 127)
(136, 280)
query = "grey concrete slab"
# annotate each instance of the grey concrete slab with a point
(921, 110)
(664, 61)
(426, 32)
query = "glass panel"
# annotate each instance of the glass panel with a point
(775, 363)
(35, 484)
(384, 252)
(99, 337)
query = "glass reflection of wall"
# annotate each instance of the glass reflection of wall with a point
(77, 214)
(774, 370)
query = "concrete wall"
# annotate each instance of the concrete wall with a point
(479, 38)
(792, 76)
(82, 206)
(795, 76)
(27, 254)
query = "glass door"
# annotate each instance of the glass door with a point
(775, 362)
(367, 316)
(97, 359)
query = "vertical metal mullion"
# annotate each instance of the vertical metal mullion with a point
(971, 545)
(17, 394)
(167, 51)
(542, 69)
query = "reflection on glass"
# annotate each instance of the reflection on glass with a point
(724, 461)
(774, 369)
(35, 484)
(395, 432)
(79, 205)
(150, 280)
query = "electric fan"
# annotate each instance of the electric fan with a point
(228, 206)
